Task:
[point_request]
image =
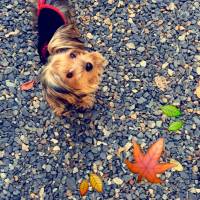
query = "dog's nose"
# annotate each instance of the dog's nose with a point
(88, 67)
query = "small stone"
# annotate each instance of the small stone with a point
(117, 181)
(89, 36)
(41, 193)
(133, 116)
(123, 117)
(12, 33)
(3, 175)
(130, 20)
(171, 6)
(1, 154)
(164, 197)
(105, 88)
(54, 141)
(198, 70)
(197, 57)
(9, 83)
(179, 28)
(134, 91)
(126, 77)
(94, 167)
(161, 82)
(143, 63)
(130, 45)
(182, 37)
(151, 191)
(75, 170)
(48, 168)
(159, 124)
(24, 139)
(107, 21)
(56, 149)
(194, 190)
(112, 105)
(141, 49)
(25, 147)
(164, 100)
(111, 1)
(195, 169)
(106, 132)
(71, 183)
(109, 157)
(164, 65)
(170, 72)
(151, 124)
(120, 4)
(163, 40)
(36, 104)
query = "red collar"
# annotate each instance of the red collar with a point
(42, 4)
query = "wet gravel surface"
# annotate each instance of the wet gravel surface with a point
(45, 157)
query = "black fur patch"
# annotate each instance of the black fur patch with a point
(48, 22)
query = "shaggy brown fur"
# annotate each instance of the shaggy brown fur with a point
(72, 74)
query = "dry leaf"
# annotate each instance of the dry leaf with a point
(27, 86)
(96, 182)
(161, 82)
(147, 165)
(124, 149)
(84, 185)
(178, 166)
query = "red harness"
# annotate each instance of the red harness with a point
(42, 4)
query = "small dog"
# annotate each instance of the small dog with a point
(71, 74)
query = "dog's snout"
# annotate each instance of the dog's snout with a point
(88, 66)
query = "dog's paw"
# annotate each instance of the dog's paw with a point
(87, 102)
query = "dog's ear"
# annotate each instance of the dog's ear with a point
(66, 37)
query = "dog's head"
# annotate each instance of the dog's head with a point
(71, 71)
(74, 70)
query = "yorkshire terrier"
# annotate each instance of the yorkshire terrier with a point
(71, 74)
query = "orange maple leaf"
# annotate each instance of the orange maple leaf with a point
(147, 165)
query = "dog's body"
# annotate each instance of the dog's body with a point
(71, 74)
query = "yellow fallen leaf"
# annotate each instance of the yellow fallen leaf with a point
(96, 182)
(178, 166)
(83, 188)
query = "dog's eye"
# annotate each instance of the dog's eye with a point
(72, 55)
(88, 67)
(69, 75)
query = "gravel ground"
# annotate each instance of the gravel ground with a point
(42, 156)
